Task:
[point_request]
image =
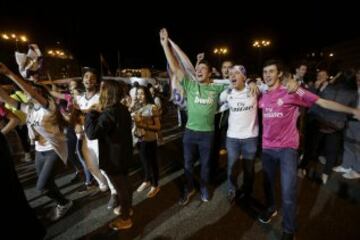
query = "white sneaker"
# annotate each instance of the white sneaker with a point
(153, 191)
(324, 178)
(341, 169)
(60, 211)
(103, 187)
(27, 157)
(351, 175)
(117, 211)
(143, 186)
(322, 160)
(301, 173)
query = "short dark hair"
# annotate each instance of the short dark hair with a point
(300, 63)
(278, 63)
(89, 69)
(207, 63)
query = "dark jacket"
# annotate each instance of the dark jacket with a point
(112, 128)
(331, 119)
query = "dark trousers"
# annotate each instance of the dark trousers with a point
(124, 193)
(197, 144)
(148, 158)
(287, 158)
(22, 131)
(331, 143)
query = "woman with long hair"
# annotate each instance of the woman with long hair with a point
(147, 118)
(110, 123)
(45, 124)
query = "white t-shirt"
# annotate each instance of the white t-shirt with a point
(84, 104)
(47, 136)
(243, 120)
(132, 93)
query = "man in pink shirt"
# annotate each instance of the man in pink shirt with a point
(280, 140)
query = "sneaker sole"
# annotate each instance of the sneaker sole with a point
(113, 227)
(266, 222)
(131, 212)
(153, 194)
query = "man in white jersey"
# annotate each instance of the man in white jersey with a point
(90, 148)
(242, 132)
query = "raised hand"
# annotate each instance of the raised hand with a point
(164, 36)
(200, 57)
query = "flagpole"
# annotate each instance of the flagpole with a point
(101, 66)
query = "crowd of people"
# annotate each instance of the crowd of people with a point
(285, 119)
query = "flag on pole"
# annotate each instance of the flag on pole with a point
(177, 91)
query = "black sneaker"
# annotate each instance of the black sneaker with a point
(287, 236)
(265, 217)
(113, 202)
(186, 198)
(86, 188)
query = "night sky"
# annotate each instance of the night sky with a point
(294, 29)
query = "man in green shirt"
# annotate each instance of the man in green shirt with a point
(202, 101)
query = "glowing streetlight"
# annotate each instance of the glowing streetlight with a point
(221, 51)
(58, 53)
(5, 36)
(14, 37)
(23, 38)
(331, 54)
(261, 43)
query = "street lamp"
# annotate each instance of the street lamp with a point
(5, 36)
(221, 52)
(259, 44)
(15, 38)
(23, 38)
(58, 53)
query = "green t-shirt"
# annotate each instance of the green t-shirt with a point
(202, 102)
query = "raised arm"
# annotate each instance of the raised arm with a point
(331, 105)
(58, 95)
(12, 123)
(173, 63)
(23, 85)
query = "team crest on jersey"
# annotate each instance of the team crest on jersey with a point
(279, 102)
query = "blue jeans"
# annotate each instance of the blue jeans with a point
(47, 164)
(247, 148)
(197, 144)
(287, 158)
